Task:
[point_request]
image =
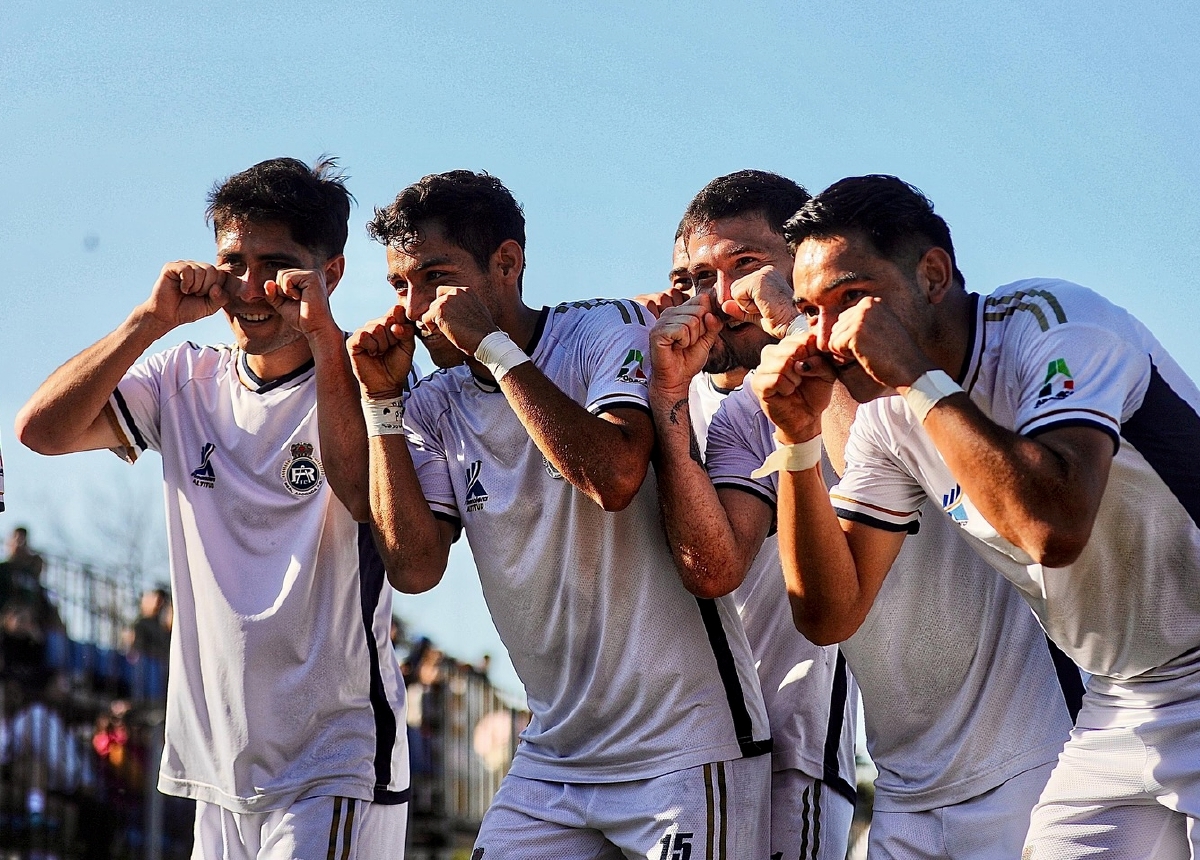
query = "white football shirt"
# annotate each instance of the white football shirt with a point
(812, 702)
(1048, 354)
(628, 675)
(282, 682)
(959, 689)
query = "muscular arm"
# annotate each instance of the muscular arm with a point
(340, 423)
(1042, 493)
(604, 456)
(713, 534)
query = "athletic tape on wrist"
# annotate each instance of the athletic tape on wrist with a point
(799, 325)
(930, 388)
(499, 354)
(791, 458)
(384, 417)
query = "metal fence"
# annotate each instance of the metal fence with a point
(81, 732)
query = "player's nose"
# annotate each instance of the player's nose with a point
(250, 285)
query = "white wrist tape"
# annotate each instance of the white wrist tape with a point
(499, 354)
(384, 417)
(799, 325)
(931, 387)
(791, 458)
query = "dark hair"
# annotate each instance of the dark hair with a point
(312, 202)
(893, 216)
(745, 192)
(473, 211)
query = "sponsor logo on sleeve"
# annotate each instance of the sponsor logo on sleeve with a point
(302, 473)
(477, 496)
(551, 469)
(204, 475)
(1058, 383)
(632, 368)
(953, 504)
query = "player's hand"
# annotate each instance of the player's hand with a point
(794, 382)
(186, 291)
(381, 353)
(302, 298)
(765, 297)
(872, 336)
(460, 316)
(656, 303)
(680, 342)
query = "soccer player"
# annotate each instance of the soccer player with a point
(1057, 434)
(734, 226)
(649, 735)
(964, 712)
(284, 707)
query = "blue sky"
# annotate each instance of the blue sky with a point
(1056, 141)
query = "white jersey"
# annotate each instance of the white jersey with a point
(812, 702)
(959, 688)
(1047, 354)
(282, 681)
(628, 675)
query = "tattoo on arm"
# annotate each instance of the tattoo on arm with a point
(673, 416)
(694, 447)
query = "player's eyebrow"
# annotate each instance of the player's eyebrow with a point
(431, 263)
(842, 280)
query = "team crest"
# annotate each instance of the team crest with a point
(953, 503)
(551, 469)
(1058, 383)
(632, 368)
(477, 496)
(204, 475)
(302, 474)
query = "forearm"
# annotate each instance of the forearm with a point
(597, 456)
(710, 560)
(824, 588)
(414, 544)
(1041, 497)
(340, 425)
(59, 415)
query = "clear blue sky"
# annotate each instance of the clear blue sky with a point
(1056, 139)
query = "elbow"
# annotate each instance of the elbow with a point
(36, 437)
(620, 489)
(1058, 544)
(824, 628)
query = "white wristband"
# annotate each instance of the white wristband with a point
(930, 388)
(499, 354)
(384, 417)
(799, 325)
(791, 458)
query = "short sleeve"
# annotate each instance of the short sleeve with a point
(876, 490)
(136, 404)
(739, 440)
(428, 453)
(615, 337)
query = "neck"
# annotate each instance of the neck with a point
(519, 323)
(951, 338)
(730, 379)
(280, 362)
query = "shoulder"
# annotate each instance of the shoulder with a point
(592, 313)
(1043, 304)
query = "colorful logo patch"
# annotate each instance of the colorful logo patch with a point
(632, 368)
(1058, 383)
(302, 474)
(477, 496)
(952, 503)
(203, 475)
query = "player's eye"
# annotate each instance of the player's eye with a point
(705, 280)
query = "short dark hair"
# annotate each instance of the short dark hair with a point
(745, 192)
(892, 215)
(312, 202)
(473, 211)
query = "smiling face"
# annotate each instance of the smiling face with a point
(416, 273)
(255, 251)
(833, 275)
(719, 253)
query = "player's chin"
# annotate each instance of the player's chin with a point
(862, 387)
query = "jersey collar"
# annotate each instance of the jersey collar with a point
(258, 385)
(968, 374)
(489, 385)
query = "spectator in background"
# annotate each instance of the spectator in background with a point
(150, 635)
(21, 583)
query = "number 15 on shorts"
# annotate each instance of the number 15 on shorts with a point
(676, 847)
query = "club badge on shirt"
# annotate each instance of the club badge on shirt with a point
(302, 474)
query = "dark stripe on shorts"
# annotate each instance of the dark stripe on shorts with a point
(743, 726)
(138, 439)
(817, 820)
(1165, 430)
(709, 812)
(348, 833)
(804, 798)
(833, 738)
(333, 827)
(723, 842)
(371, 581)
(1069, 679)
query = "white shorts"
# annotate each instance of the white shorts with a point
(809, 820)
(314, 828)
(718, 811)
(990, 826)
(1128, 780)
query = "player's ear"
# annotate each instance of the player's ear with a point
(335, 267)
(508, 261)
(935, 274)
